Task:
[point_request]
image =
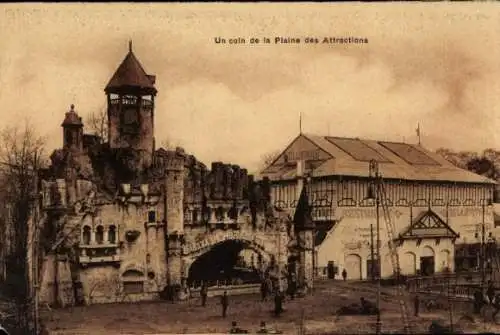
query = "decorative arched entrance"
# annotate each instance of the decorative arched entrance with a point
(353, 267)
(216, 258)
(221, 264)
(408, 264)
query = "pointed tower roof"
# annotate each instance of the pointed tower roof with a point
(131, 75)
(72, 118)
(302, 217)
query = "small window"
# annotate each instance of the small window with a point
(219, 214)
(99, 235)
(86, 235)
(112, 234)
(152, 217)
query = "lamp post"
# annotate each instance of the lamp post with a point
(483, 243)
(373, 193)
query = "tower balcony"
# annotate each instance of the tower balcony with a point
(130, 101)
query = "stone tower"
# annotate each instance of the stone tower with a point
(72, 131)
(174, 214)
(131, 93)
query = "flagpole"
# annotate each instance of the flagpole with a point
(300, 123)
(418, 132)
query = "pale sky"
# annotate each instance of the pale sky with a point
(437, 64)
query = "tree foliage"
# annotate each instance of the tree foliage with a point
(22, 154)
(96, 123)
(268, 158)
(486, 163)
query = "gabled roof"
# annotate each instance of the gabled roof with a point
(428, 225)
(341, 156)
(131, 74)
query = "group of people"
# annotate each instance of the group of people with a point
(266, 288)
(492, 298)
(263, 329)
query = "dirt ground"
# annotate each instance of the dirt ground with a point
(317, 312)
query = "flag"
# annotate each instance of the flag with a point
(418, 130)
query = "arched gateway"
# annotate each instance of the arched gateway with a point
(218, 250)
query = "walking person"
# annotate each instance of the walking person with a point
(344, 274)
(224, 302)
(416, 305)
(204, 293)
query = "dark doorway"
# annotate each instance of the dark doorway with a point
(331, 270)
(427, 265)
(372, 270)
(220, 264)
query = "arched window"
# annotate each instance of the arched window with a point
(112, 234)
(195, 216)
(206, 214)
(86, 235)
(99, 235)
(219, 214)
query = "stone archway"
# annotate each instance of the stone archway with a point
(219, 263)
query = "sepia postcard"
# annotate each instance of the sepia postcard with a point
(266, 168)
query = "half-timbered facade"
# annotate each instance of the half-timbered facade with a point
(436, 208)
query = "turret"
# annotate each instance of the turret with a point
(72, 131)
(130, 94)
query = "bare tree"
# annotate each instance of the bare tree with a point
(169, 144)
(22, 155)
(97, 124)
(268, 158)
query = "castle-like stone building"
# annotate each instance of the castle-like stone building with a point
(127, 220)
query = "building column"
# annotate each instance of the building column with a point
(92, 235)
(306, 259)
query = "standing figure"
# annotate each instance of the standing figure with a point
(278, 303)
(478, 301)
(292, 288)
(263, 328)
(204, 293)
(416, 304)
(496, 304)
(224, 302)
(263, 289)
(344, 274)
(490, 292)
